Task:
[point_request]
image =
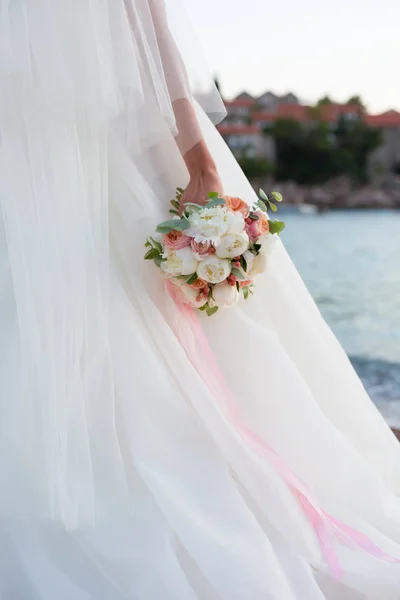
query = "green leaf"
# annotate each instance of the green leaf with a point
(173, 212)
(254, 217)
(180, 190)
(192, 279)
(158, 261)
(148, 244)
(211, 311)
(272, 206)
(261, 205)
(213, 195)
(237, 286)
(152, 254)
(256, 247)
(245, 292)
(277, 196)
(263, 195)
(204, 307)
(156, 245)
(276, 227)
(175, 204)
(173, 225)
(216, 202)
(243, 263)
(193, 204)
(237, 273)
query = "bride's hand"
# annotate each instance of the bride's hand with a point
(200, 185)
(204, 177)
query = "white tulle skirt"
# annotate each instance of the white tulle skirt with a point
(121, 475)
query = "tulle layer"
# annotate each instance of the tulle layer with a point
(97, 59)
(121, 475)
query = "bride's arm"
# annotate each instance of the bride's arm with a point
(200, 164)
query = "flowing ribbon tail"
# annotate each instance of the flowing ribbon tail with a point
(327, 529)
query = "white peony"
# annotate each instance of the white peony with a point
(210, 224)
(191, 296)
(232, 244)
(249, 258)
(259, 265)
(267, 242)
(214, 269)
(179, 262)
(224, 295)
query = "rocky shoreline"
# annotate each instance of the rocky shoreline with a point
(337, 194)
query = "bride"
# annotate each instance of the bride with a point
(123, 473)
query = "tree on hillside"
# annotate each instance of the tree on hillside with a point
(358, 101)
(324, 101)
(314, 154)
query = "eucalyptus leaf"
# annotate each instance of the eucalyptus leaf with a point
(237, 273)
(261, 205)
(277, 196)
(211, 311)
(263, 195)
(173, 225)
(254, 217)
(276, 227)
(216, 202)
(193, 204)
(272, 206)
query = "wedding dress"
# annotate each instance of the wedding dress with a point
(123, 473)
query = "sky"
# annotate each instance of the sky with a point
(313, 48)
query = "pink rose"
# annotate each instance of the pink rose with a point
(176, 240)
(256, 228)
(202, 249)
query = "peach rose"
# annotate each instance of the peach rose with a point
(246, 283)
(203, 294)
(257, 228)
(176, 240)
(202, 249)
(199, 284)
(237, 205)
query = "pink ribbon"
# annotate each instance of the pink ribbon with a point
(327, 529)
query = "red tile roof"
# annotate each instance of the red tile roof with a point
(244, 102)
(238, 129)
(285, 111)
(391, 118)
(332, 112)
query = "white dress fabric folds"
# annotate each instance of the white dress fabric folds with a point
(122, 475)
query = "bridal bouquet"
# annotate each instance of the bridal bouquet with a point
(214, 252)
